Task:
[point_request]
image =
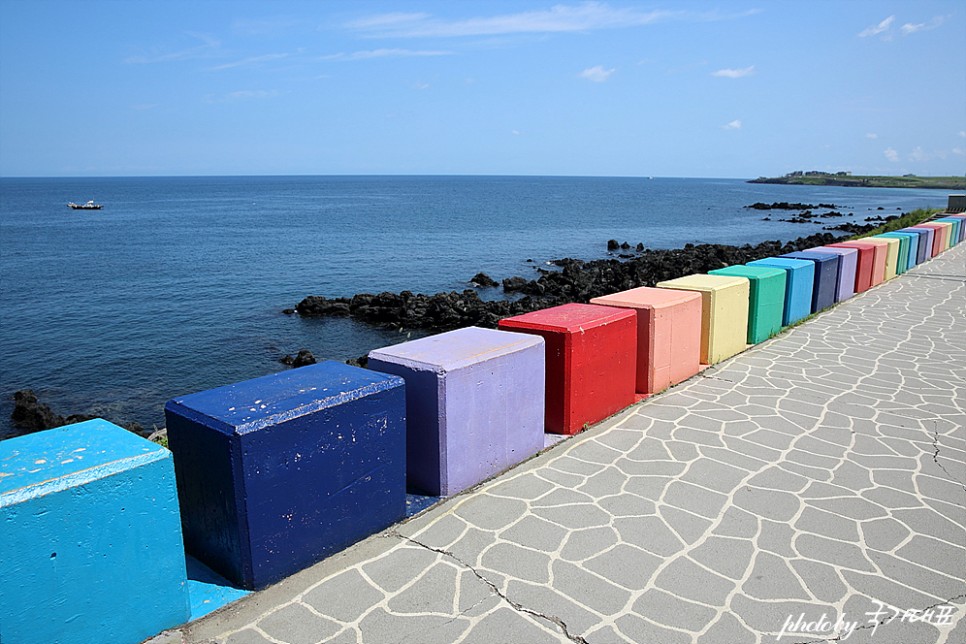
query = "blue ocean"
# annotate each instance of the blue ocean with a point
(178, 284)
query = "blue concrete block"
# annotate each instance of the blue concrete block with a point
(826, 277)
(278, 472)
(90, 537)
(956, 233)
(798, 287)
(921, 243)
(912, 243)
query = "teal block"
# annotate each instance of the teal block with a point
(908, 242)
(766, 304)
(800, 279)
(90, 545)
(957, 233)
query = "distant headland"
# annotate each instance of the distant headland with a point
(816, 178)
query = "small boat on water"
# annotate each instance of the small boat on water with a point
(90, 205)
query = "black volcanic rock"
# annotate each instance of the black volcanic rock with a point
(484, 280)
(303, 358)
(613, 244)
(576, 281)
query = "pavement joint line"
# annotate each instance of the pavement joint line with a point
(520, 608)
(935, 456)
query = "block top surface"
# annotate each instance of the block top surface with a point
(751, 272)
(456, 349)
(899, 234)
(704, 282)
(568, 317)
(809, 255)
(837, 250)
(853, 244)
(927, 224)
(249, 405)
(875, 240)
(782, 262)
(647, 297)
(67, 456)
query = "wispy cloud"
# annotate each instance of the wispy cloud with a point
(208, 47)
(596, 74)
(734, 73)
(872, 136)
(370, 54)
(911, 28)
(892, 154)
(561, 18)
(248, 62)
(878, 28)
(733, 125)
(962, 134)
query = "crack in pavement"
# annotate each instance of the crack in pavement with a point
(935, 457)
(515, 605)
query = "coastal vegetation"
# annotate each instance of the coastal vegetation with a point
(847, 179)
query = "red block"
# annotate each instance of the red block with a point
(864, 264)
(940, 240)
(590, 361)
(879, 252)
(668, 334)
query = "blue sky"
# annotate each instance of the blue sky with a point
(615, 88)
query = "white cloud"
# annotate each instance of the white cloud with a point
(242, 95)
(596, 74)
(734, 73)
(918, 154)
(370, 54)
(872, 135)
(733, 125)
(208, 48)
(877, 29)
(962, 134)
(421, 86)
(911, 28)
(891, 154)
(958, 151)
(561, 18)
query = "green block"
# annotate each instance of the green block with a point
(767, 302)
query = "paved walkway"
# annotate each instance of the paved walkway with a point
(820, 475)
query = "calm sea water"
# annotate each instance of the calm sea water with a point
(178, 284)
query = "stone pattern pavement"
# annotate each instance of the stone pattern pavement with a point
(822, 473)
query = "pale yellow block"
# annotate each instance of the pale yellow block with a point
(892, 257)
(892, 253)
(724, 313)
(949, 232)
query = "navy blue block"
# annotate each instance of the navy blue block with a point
(276, 473)
(826, 275)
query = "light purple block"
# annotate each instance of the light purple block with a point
(848, 259)
(474, 404)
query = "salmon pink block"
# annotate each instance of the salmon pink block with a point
(668, 334)
(956, 233)
(590, 360)
(845, 280)
(879, 251)
(474, 404)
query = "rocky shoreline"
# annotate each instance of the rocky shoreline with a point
(575, 281)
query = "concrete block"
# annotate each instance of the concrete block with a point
(800, 282)
(724, 313)
(766, 303)
(892, 254)
(923, 245)
(279, 472)
(90, 537)
(956, 232)
(901, 255)
(908, 248)
(962, 224)
(591, 361)
(848, 264)
(474, 404)
(941, 232)
(931, 239)
(826, 276)
(865, 263)
(668, 334)
(880, 266)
